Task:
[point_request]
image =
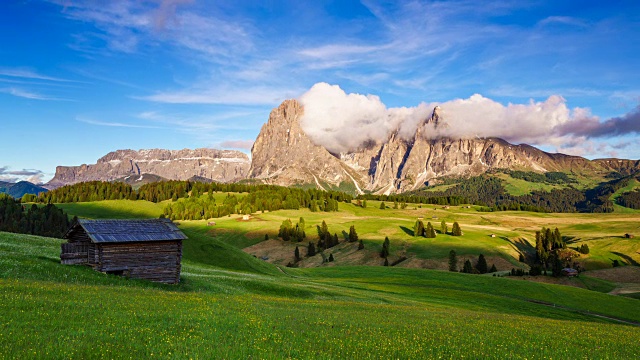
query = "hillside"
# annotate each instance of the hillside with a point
(333, 312)
(20, 188)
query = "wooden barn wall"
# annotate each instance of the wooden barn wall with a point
(155, 261)
(75, 252)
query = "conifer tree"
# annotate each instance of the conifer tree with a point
(353, 235)
(297, 254)
(360, 245)
(456, 231)
(382, 206)
(330, 257)
(385, 248)
(467, 268)
(418, 228)
(443, 227)
(430, 232)
(493, 269)
(453, 261)
(481, 266)
(311, 250)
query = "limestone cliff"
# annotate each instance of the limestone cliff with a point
(217, 165)
(283, 154)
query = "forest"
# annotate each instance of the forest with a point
(36, 220)
(489, 192)
(630, 199)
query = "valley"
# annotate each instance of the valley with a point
(227, 296)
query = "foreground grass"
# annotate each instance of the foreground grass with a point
(54, 311)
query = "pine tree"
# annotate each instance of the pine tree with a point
(382, 206)
(443, 227)
(482, 264)
(385, 248)
(360, 245)
(430, 232)
(493, 269)
(330, 257)
(456, 231)
(418, 228)
(266, 237)
(453, 261)
(312, 249)
(297, 254)
(353, 235)
(467, 268)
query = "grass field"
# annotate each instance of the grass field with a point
(514, 231)
(258, 311)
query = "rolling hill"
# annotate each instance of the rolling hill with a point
(20, 188)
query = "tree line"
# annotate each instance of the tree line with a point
(630, 199)
(45, 220)
(195, 200)
(489, 193)
(480, 266)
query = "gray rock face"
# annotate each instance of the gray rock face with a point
(284, 155)
(217, 165)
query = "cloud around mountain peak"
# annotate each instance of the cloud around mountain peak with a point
(343, 122)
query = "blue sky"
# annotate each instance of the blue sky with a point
(81, 78)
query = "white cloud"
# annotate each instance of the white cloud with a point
(237, 144)
(343, 122)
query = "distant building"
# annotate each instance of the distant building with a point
(143, 249)
(569, 272)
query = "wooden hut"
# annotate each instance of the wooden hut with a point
(144, 249)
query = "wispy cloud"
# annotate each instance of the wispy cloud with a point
(29, 74)
(28, 94)
(259, 95)
(126, 26)
(562, 20)
(114, 124)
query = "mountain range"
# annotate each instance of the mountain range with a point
(18, 189)
(284, 154)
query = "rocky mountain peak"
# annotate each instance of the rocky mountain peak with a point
(216, 165)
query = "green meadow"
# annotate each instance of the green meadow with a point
(230, 304)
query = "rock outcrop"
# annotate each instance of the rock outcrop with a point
(284, 155)
(216, 165)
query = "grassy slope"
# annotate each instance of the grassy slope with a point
(515, 231)
(58, 311)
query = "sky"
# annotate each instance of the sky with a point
(79, 79)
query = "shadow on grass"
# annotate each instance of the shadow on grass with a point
(523, 247)
(407, 230)
(628, 259)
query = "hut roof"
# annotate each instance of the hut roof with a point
(123, 231)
